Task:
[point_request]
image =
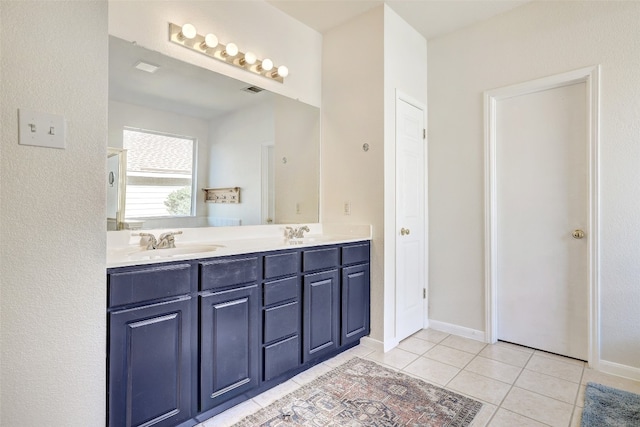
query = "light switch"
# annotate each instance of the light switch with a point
(41, 129)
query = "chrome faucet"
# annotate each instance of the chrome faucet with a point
(300, 232)
(167, 241)
(147, 239)
(295, 233)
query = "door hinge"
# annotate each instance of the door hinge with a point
(424, 293)
(424, 134)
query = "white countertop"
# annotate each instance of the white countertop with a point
(124, 248)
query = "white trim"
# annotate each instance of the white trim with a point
(591, 76)
(461, 331)
(619, 370)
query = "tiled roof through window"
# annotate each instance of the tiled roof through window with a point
(150, 152)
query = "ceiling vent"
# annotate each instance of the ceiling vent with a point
(253, 89)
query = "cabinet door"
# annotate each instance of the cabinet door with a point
(355, 303)
(150, 365)
(321, 314)
(229, 344)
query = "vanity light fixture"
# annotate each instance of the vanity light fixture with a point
(282, 71)
(210, 42)
(230, 50)
(209, 45)
(249, 58)
(187, 31)
(266, 65)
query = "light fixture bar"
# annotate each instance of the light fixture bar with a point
(228, 53)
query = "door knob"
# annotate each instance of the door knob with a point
(577, 234)
(404, 231)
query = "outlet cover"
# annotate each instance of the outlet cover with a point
(41, 129)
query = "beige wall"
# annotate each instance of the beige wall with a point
(236, 159)
(536, 40)
(353, 114)
(52, 213)
(364, 61)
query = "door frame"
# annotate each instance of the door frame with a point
(590, 76)
(401, 96)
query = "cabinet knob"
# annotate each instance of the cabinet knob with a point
(405, 231)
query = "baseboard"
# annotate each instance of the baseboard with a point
(462, 331)
(619, 370)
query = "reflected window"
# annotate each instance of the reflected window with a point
(160, 174)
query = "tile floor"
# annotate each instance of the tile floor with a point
(517, 385)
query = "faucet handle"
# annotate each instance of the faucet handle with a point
(169, 233)
(167, 241)
(150, 242)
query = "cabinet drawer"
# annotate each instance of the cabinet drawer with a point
(281, 321)
(317, 259)
(224, 273)
(281, 357)
(355, 253)
(280, 290)
(278, 265)
(147, 284)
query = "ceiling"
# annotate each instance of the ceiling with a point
(177, 87)
(431, 18)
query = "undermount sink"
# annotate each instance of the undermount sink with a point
(172, 252)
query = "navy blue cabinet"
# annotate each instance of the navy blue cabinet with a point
(281, 314)
(355, 303)
(150, 364)
(189, 339)
(321, 317)
(229, 344)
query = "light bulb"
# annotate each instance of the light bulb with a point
(283, 71)
(249, 58)
(230, 50)
(210, 41)
(266, 65)
(188, 31)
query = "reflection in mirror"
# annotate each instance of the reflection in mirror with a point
(116, 187)
(246, 137)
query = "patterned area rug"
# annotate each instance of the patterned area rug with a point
(610, 407)
(363, 393)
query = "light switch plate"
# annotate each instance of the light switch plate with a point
(41, 129)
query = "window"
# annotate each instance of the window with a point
(160, 174)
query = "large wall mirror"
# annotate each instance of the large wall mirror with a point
(180, 129)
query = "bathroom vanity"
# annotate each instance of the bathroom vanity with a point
(196, 334)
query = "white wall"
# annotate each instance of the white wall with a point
(52, 213)
(297, 138)
(353, 114)
(536, 40)
(252, 24)
(235, 159)
(358, 107)
(123, 115)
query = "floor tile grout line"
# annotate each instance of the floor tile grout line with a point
(509, 391)
(575, 400)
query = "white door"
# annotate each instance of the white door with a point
(410, 219)
(542, 198)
